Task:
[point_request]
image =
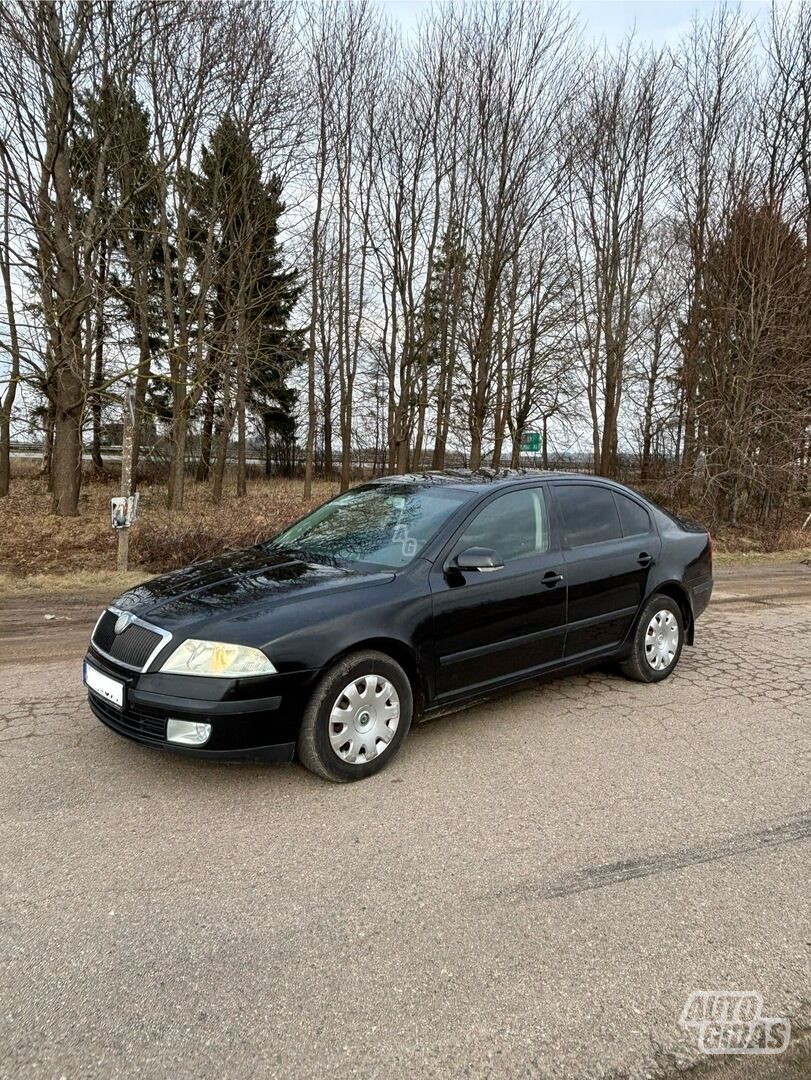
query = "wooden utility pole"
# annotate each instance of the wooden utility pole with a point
(128, 426)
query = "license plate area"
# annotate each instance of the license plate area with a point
(110, 689)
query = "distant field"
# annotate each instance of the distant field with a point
(35, 542)
(37, 545)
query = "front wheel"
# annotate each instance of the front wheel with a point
(658, 640)
(357, 718)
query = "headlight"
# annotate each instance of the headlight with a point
(217, 658)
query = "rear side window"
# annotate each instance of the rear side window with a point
(589, 514)
(634, 518)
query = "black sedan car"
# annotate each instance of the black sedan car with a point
(397, 600)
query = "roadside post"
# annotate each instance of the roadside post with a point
(125, 507)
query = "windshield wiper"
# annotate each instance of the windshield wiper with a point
(307, 556)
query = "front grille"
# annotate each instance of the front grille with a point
(130, 721)
(131, 647)
(104, 634)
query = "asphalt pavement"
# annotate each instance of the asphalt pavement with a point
(532, 889)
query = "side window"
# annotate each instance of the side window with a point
(634, 518)
(515, 525)
(589, 514)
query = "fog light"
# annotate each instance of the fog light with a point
(187, 732)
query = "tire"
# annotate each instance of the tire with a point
(365, 716)
(655, 653)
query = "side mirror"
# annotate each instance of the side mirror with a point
(485, 560)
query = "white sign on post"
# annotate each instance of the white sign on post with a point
(123, 511)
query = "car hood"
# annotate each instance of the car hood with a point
(228, 586)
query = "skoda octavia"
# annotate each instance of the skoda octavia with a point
(398, 600)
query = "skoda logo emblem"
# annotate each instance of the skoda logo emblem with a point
(123, 621)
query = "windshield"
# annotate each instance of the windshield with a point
(385, 526)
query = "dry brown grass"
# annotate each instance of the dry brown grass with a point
(743, 539)
(756, 539)
(35, 542)
(105, 583)
(36, 545)
(762, 558)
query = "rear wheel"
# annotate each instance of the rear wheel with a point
(357, 718)
(658, 640)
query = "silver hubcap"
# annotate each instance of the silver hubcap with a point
(661, 640)
(364, 719)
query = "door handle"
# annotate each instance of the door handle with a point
(645, 559)
(551, 578)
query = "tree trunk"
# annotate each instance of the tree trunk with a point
(328, 462)
(443, 420)
(66, 464)
(647, 423)
(63, 290)
(48, 445)
(242, 471)
(438, 457)
(177, 465)
(10, 394)
(98, 360)
(475, 450)
(98, 374)
(315, 239)
(144, 372)
(346, 451)
(327, 397)
(500, 419)
(206, 433)
(5, 446)
(224, 435)
(515, 453)
(422, 405)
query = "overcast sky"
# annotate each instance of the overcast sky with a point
(657, 21)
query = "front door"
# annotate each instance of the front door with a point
(491, 626)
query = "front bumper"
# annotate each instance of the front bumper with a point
(251, 719)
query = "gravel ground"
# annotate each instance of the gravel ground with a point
(532, 889)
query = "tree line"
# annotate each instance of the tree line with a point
(302, 223)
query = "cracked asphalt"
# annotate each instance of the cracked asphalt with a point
(532, 889)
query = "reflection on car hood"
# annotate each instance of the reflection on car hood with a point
(227, 585)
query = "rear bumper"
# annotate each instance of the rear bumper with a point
(701, 597)
(260, 728)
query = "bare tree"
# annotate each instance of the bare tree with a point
(183, 72)
(51, 52)
(616, 188)
(323, 64)
(756, 361)
(519, 79)
(712, 69)
(500, 231)
(358, 35)
(7, 267)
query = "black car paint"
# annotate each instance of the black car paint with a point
(458, 634)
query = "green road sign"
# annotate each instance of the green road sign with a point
(531, 442)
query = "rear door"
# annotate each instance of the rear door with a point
(492, 626)
(609, 545)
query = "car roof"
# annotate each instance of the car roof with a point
(477, 480)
